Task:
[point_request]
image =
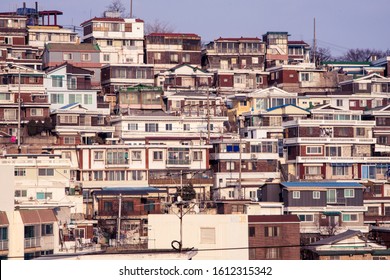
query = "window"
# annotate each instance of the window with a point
(157, 56)
(252, 194)
(106, 57)
(69, 140)
(306, 217)
(186, 127)
(98, 155)
(128, 206)
(3, 233)
(136, 155)
(305, 77)
(174, 58)
(116, 175)
(109, 42)
(296, 194)
(360, 131)
(333, 151)
(137, 175)
(29, 232)
(79, 233)
(46, 172)
(85, 56)
(132, 126)
(67, 56)
(47, 229)
(197, 155)
(5, 96)
(350, 217)
(316, 195)
(339, 102)
(271, 231)
(107, 206)
(331, 196)
(116, 157)
(36, 112)
(314, 150)
(75, 98)
(88, 100)
(272, 253)
(98, 175)
(151, 127)
(20, 193)
(168, 126)
(362, 86)
(68, 119)
(141, 74)
(382, 140)
(207, 235)
(186, 58)
(157, 155)
(20, 172)
(340, 170)
(57, 98)
(349, 193)
(312, 170)
(230, 166)
(44, 195)
(372, 211)
(252, 231)
(9, 114)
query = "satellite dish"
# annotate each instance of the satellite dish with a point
(196, 209)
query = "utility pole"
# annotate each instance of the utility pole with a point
(131, 8)
(208, 115)
(314, 44)
(118, 234)
(19, 113)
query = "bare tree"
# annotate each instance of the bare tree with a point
(363, 54)
(158, 26)
(117, 6)
(321, 55)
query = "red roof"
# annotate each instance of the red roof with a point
(103, 19)
(138, 20)
(174, 34)
(239, 39)
(297, 43)
(273, 219)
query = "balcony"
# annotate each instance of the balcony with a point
(176, 181)
(178, 162)
(32, 242)
(315, 122)
(307, 159)
(323, 140)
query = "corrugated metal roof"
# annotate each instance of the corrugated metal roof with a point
(38, 216)
(3, 219)
(322, 184)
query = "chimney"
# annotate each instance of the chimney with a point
(36, 7)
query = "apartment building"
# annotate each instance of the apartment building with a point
(166, 50)
(121, 40)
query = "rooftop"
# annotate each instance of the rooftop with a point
(323, 184)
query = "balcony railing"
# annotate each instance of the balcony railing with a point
(178, 162)
(169, 181)
(308, 159)
(329, 140)
(32, 242)
(3, 245)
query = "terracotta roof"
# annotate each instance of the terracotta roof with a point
(3, 219)
(72, 47)
(103, 19)
(138, 20)
(37, 216)
(174, 34)
(70, 68)
(273, 219)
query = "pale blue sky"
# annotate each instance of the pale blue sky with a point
(341, 24)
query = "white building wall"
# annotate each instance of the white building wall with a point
(231, 231)
(7, 187)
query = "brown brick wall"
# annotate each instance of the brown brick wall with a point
(289, 237)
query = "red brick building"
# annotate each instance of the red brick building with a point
(274, 237)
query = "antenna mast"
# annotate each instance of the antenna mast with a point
(131, 8)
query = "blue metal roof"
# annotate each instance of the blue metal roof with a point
(69, 105)
(323, 184)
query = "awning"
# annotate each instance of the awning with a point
(39, 216)
(331, 213)
(3, 219)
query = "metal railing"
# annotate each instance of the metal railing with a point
(32, 242)
(3, 245)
